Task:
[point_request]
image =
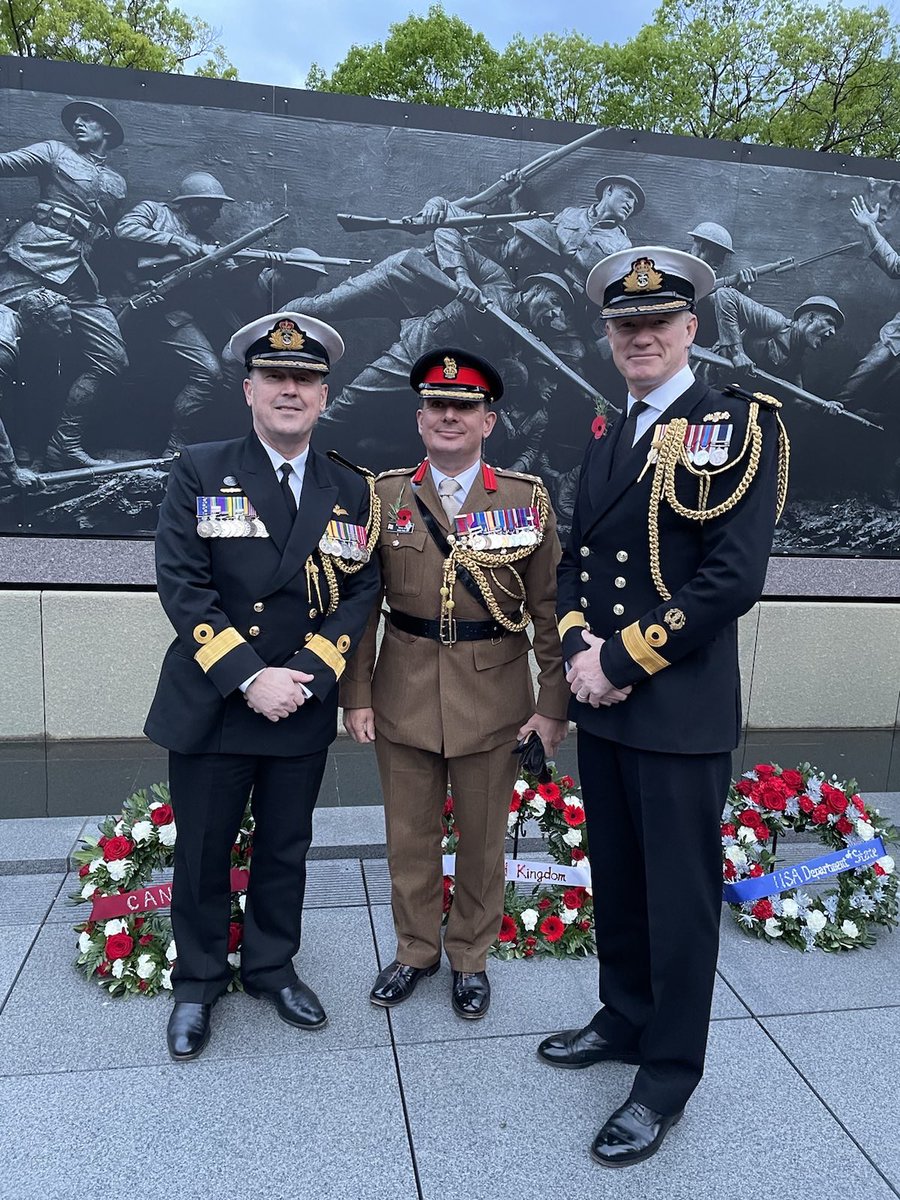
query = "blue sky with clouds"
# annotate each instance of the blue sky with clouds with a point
(277, 44)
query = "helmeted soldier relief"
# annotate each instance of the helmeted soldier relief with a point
(80, 198)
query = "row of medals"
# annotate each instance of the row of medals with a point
(348, 550)
(700, 452)
(228, 527)
(498, 541)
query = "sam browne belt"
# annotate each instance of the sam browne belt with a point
(466, 631)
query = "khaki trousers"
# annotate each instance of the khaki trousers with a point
(414, 783)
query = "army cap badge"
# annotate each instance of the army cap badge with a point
(452, 374)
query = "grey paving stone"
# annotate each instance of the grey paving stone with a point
(887, 803)
(326, 1126)
(14, 946)
(337, 959)
(356, 830)
(776, 979)
(865, 1101)
(26, 899)
(724, 1146)
(535, 997)
(378, 880)
(37, 846)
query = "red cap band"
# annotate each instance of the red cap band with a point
(463, 377)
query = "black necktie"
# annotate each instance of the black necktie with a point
(626, 437)
(289, 500)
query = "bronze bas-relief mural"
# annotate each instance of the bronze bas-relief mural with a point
(137, 234)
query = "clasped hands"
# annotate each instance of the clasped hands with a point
(277, 692)
(586, 679)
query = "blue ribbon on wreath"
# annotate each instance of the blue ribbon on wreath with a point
(813, 870)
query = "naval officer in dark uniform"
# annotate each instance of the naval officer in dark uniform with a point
(670, 540)
(264, 569)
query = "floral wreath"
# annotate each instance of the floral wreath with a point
(551, 920)
(767, 802)
(135, 952)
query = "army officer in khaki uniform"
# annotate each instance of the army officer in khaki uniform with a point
(469, 557)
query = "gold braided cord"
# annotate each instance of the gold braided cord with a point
(784, 467)
(668, 462)
(373, 531)
(476, 561)
(312, 582)
(672, 453)
(334, 594)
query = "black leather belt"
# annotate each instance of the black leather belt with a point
(466, 631)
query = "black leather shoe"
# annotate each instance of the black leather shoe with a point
(296, 1004)
(471, 994)
(633, 1133)
(577, 1048)
(397, 982)
(188, 1030)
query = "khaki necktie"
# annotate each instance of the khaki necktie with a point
(450, 493)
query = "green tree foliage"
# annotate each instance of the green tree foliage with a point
(562, 77)
(149, 35)
(784, 72)
(435, 59)
(790, 74)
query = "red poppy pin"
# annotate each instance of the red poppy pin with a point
(598, 426)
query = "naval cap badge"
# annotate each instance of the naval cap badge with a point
(643, 277)
(286, 336)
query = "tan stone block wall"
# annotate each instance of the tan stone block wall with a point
(102, 652)
(84, 664)
(21, 668)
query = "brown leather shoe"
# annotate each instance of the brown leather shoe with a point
(577, 1048)
(633, 1132)
(397, 982)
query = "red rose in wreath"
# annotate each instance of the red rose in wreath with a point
(772, 794)
(162, 815)
(117, 848)
(119, 945)
(834, 799)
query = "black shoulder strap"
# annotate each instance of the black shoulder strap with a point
(437, 536)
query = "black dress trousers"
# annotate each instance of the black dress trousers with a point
(209, 796)
(653, 823)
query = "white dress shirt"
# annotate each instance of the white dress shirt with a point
(295, 479)
(659, 400)
(465, 479)
(298, 464)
